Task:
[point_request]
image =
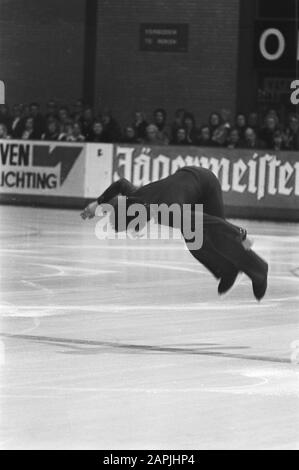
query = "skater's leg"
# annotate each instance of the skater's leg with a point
(227, 240)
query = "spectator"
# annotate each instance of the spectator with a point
(190, 126)
(153, 137)
(5, 117)
(112, 130)
(241, 124)
(178, 121)
(251, 140)
(77, 133)
(140, 125)
(63, 117)
(233, 140)
(29, 132)
(78, 108)
(220, 134)
(129, 136)
(204, 138)
(52, 130)
(225, 116)
(253, 120)
(39, 121)
(273, 113)
(291, 134)
(267, 132)
(160, 117)
(278, 143)
(51, 110)
(87, 122)
(66, 131)
(3, 132)
(26, 110)
(97, 132)
(17, 122)
(180, 137)
(214, 124)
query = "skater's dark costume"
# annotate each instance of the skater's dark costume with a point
(222, 252)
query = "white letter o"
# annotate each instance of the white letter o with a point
(281, 44)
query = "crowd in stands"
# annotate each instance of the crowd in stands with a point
(82, 124)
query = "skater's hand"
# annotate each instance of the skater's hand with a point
(89, 211)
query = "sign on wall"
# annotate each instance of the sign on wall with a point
(41, 168)
(162, 37)
(276, 44)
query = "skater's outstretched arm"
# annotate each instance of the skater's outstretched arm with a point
(122, 186)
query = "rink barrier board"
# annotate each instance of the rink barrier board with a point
(78, 203)
(254, 183)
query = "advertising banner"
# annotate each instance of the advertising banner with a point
(265, 182)
(43, 169)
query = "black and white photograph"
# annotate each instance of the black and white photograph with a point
(149, 228)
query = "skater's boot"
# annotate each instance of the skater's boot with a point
(227, 281)
(257, 269)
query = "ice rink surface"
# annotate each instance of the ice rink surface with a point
(126, 344)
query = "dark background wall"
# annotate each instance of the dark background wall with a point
(202, 80)
(41, 49)
(42, 44)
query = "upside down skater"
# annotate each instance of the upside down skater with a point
(224, 251)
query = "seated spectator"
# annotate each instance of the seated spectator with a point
(241, 124)
(253, 120)
(5, 117)
(267, 132)
(77, 133)
(51, 110)
(191, 130)
(17, 122)
(278, 143)
(214, 124)
(225, 115)
(204, 137)
(153, 137)
(66, 131)
(273, 113)
(140, 125)
(52, 130)
(160, 117)
(97, 132)
(26, 110)
(129, 136)
(77, 113)
(112, 130)
(233, 140)
(221, 133)
(180, 137)
(29, 132)
(251, 140)
(72, 133)
(291, 134)
(63, 117)
(178, 121)
(86, 122)
(3, 132)
(39, 121)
